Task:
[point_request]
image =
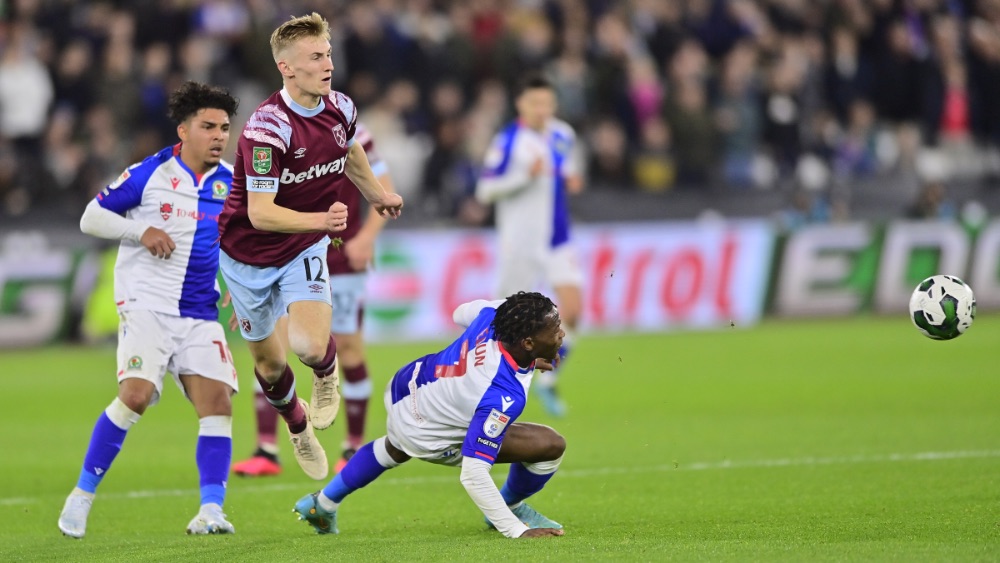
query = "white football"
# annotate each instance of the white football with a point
(942, 307)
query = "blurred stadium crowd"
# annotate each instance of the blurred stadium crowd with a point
(806, 96)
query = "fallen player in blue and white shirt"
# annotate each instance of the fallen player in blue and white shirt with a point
(458, 407)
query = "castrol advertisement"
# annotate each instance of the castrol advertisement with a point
(637, 277)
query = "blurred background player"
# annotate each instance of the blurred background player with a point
(348, 263)
(295, 153)
(458, 407)
(166, 291)
(528, 171)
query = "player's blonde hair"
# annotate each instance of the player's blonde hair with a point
(294, 29)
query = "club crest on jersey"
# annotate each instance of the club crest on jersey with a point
(340, 135)
(245, 325)
(166, 210)
(135, 362)
(262, 160)
(495, 423)
(219, 189)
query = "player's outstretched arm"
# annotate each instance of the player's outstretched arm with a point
(483, 491)
(359, 170)
(266, 215)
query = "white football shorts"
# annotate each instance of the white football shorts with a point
(524, 272)
(151, 344)
(419, 437)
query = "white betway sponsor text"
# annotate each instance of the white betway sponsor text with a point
(315, 171)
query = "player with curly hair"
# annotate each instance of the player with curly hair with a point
(165, 211)
(458, 407)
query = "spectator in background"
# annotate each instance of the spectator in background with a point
(737, 115)
(848, 75)
(571, 76)
(932, 203)
(694, 133)
(653, 167)
(856, 151)
(609, 164)
(645, 90)
(26, 93)
(782, 113)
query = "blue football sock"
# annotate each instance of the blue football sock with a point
(105, 443)
(213, 454)
(363, 468)
(521, 484)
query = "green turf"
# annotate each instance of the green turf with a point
(800, 441)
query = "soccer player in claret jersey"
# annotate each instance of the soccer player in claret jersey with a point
(459, 407)
(296, 152)
(347, 263)
(528, 172)
(165, 212)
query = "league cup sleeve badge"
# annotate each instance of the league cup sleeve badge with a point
(262, 160)
(495, 423)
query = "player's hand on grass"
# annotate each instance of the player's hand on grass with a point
(158, 243)
(541, 532)
(336, 218)
(391, 205)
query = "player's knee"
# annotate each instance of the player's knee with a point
(136, 398)
(554, 445)
(310, 352)
(216, 403)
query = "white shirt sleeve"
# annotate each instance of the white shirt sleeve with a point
(515, 177)
(477, 482)
(467, 312)
(105, 223)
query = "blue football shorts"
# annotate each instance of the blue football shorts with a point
(261, 295)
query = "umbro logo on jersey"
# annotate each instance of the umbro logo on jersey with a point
(317, 288)
(174, 182)
(300, 152)
(507, 402)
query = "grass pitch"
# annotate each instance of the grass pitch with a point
(837, 440)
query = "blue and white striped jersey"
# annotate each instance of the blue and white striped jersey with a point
(472, 388)
(161, 191)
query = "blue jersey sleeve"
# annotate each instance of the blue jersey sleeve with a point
(126, 191)
(497, 410)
